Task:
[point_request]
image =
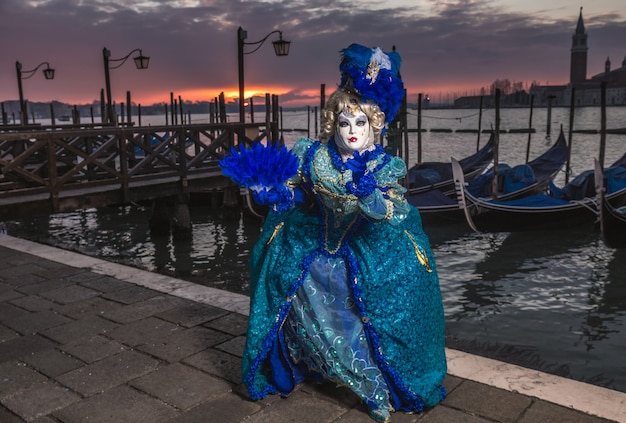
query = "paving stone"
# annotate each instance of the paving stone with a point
(131, 294)
(70, 294)
(84, 276)
(109, 372)
(9, 312)
(46, 285)
(22, 280)
(299, 407)
(233, 323)
(144, 331)
(33, 303)
(93, 349)
(443, 414)
(329, 391)
(12, 258)
(7, 333)
(450, 383)
(60, 270)
(15, 376)
(7, 416)
(223, 408)
(123, 405)
(17, 271)
(545, 412)
(233, 346)
(143, 309)
(487, 401)
(181, 386)
(359, 415)
(107, 284)
(7, 294)
(218, 363)
(44, 419)
(180, 345)
(93, 306)
(37, 322)
(51, 362)
(40, 399)
(192, 314)
(80, 329)
(20, 346)
(401, 417)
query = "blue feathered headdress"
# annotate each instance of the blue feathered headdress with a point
(375, 75)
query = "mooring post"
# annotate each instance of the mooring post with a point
(181, 225)
(231, 197)
(160, 218)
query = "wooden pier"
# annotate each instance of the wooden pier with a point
(50, 170)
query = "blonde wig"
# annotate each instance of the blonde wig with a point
(350, 101)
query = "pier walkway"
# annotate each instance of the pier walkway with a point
(49, 171)
(85, 340)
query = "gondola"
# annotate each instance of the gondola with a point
(521, 180)
(431, 185)
(439, 205)
(541, 211)
(612, 217)
(428, 176)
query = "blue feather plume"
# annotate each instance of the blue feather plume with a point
(260, 166)
(387, 90)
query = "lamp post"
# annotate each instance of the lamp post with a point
(281, 48)
(48, 73)
(141, 62)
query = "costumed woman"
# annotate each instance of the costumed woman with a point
(343, 286)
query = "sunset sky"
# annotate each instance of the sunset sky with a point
(447, 46)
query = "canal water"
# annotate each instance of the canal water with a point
(552, 300)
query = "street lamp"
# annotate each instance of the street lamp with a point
(281, 48)
(48, 73)
(141, 62)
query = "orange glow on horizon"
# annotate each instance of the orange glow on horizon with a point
(297, 97)
(209, 94)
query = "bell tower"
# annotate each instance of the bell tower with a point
(578, 61)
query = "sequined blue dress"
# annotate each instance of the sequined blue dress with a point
(344, 288)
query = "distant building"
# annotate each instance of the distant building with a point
(587, 92)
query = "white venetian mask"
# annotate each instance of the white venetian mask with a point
(353, 132)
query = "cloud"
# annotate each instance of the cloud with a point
(446, 46)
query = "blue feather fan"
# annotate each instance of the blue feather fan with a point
(260, 166)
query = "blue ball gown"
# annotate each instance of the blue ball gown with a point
(344, 287)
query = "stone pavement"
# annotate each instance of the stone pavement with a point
(84, 340)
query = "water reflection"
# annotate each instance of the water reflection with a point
(614, 298)
(555, 302)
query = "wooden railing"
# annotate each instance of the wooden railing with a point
(51, 171)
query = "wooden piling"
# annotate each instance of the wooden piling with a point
(602, 123)
(480, 121)
(405, 132)
(181, 224)
(129, 111)
(52, 120)
(530, 127)
(419, 128)
(496, 148)
(569, 135)
(159, 222)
